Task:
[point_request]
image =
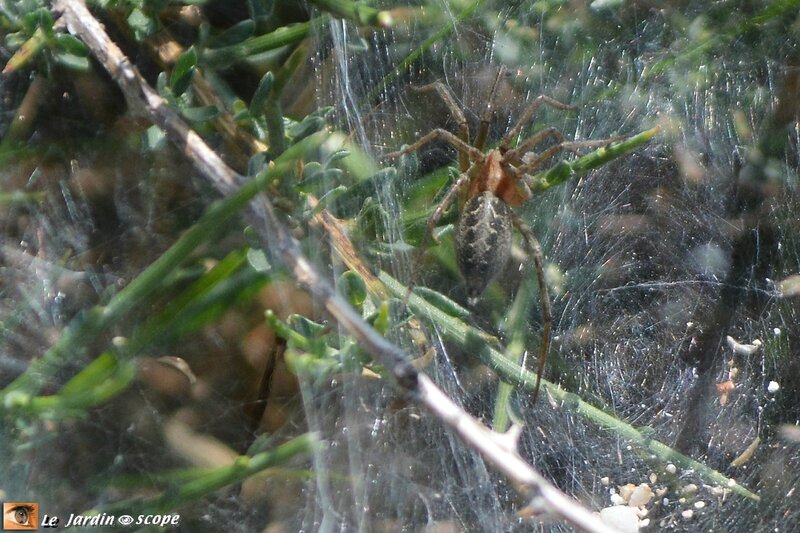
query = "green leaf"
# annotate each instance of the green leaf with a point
(307, 328)
(182, 73)
(234, 35)
(154, 138)
(353, 288)
(73, 45)
(95, 372)
(383, 319)
(261, 94)
(142, 25)
(258, 260)
(39, 19)
(336, 156)
(200, 114)
(72, 61)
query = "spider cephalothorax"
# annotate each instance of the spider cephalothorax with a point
(494, 183)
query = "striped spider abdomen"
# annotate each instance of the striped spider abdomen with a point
(483, 241)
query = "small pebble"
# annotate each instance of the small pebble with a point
(640, 496)
(605, 481)
(699, 505)
(687, 514)
(620, 517)
(773, 387)
(626, 490)
(671, 469)
(653, 477)
(689, 490)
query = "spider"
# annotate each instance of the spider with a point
(492, 183)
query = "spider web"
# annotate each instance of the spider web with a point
(639, 252)
(635, 252)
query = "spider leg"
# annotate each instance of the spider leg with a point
(525, 146)
(463, 128)
(572, 146)
(443, 135)
(527, 114)
(534, 249)
(450, 195)
(486, 118)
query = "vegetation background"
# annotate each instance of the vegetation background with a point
(160, 385)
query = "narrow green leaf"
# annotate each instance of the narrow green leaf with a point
(142, 25)
(260, 96)
(95, 372)
(73, 45)
(182, 72)
(72, 61)
(200, 114)
(234, 35)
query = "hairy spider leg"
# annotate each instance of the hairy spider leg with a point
(486, 117)
(514, 155)
(450, 102)
(528, 167)
(450, 195)
(534, 250)
(440, 135)
(527, 115)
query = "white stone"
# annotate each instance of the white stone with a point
(621, 517)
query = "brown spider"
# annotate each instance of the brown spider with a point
(496, 181)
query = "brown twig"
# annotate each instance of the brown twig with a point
(498, 449)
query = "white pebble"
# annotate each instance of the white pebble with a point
(621, 517)
(699, 505)
(689, 490)
(640, 496)
(616, 499)
(687, 514)
(773, 387)
(605, 481)
(653, 478)
(776, 331)
(671, 469)
(626, 490)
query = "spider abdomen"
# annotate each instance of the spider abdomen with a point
(483, 241)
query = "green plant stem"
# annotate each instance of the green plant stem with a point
(491, 354)
(18, 198)
(566, 170)
(273, 113)
(358, 12)
(515, 329)
(291, 34)
(88, 325)
(98, 382)
(215, 479)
